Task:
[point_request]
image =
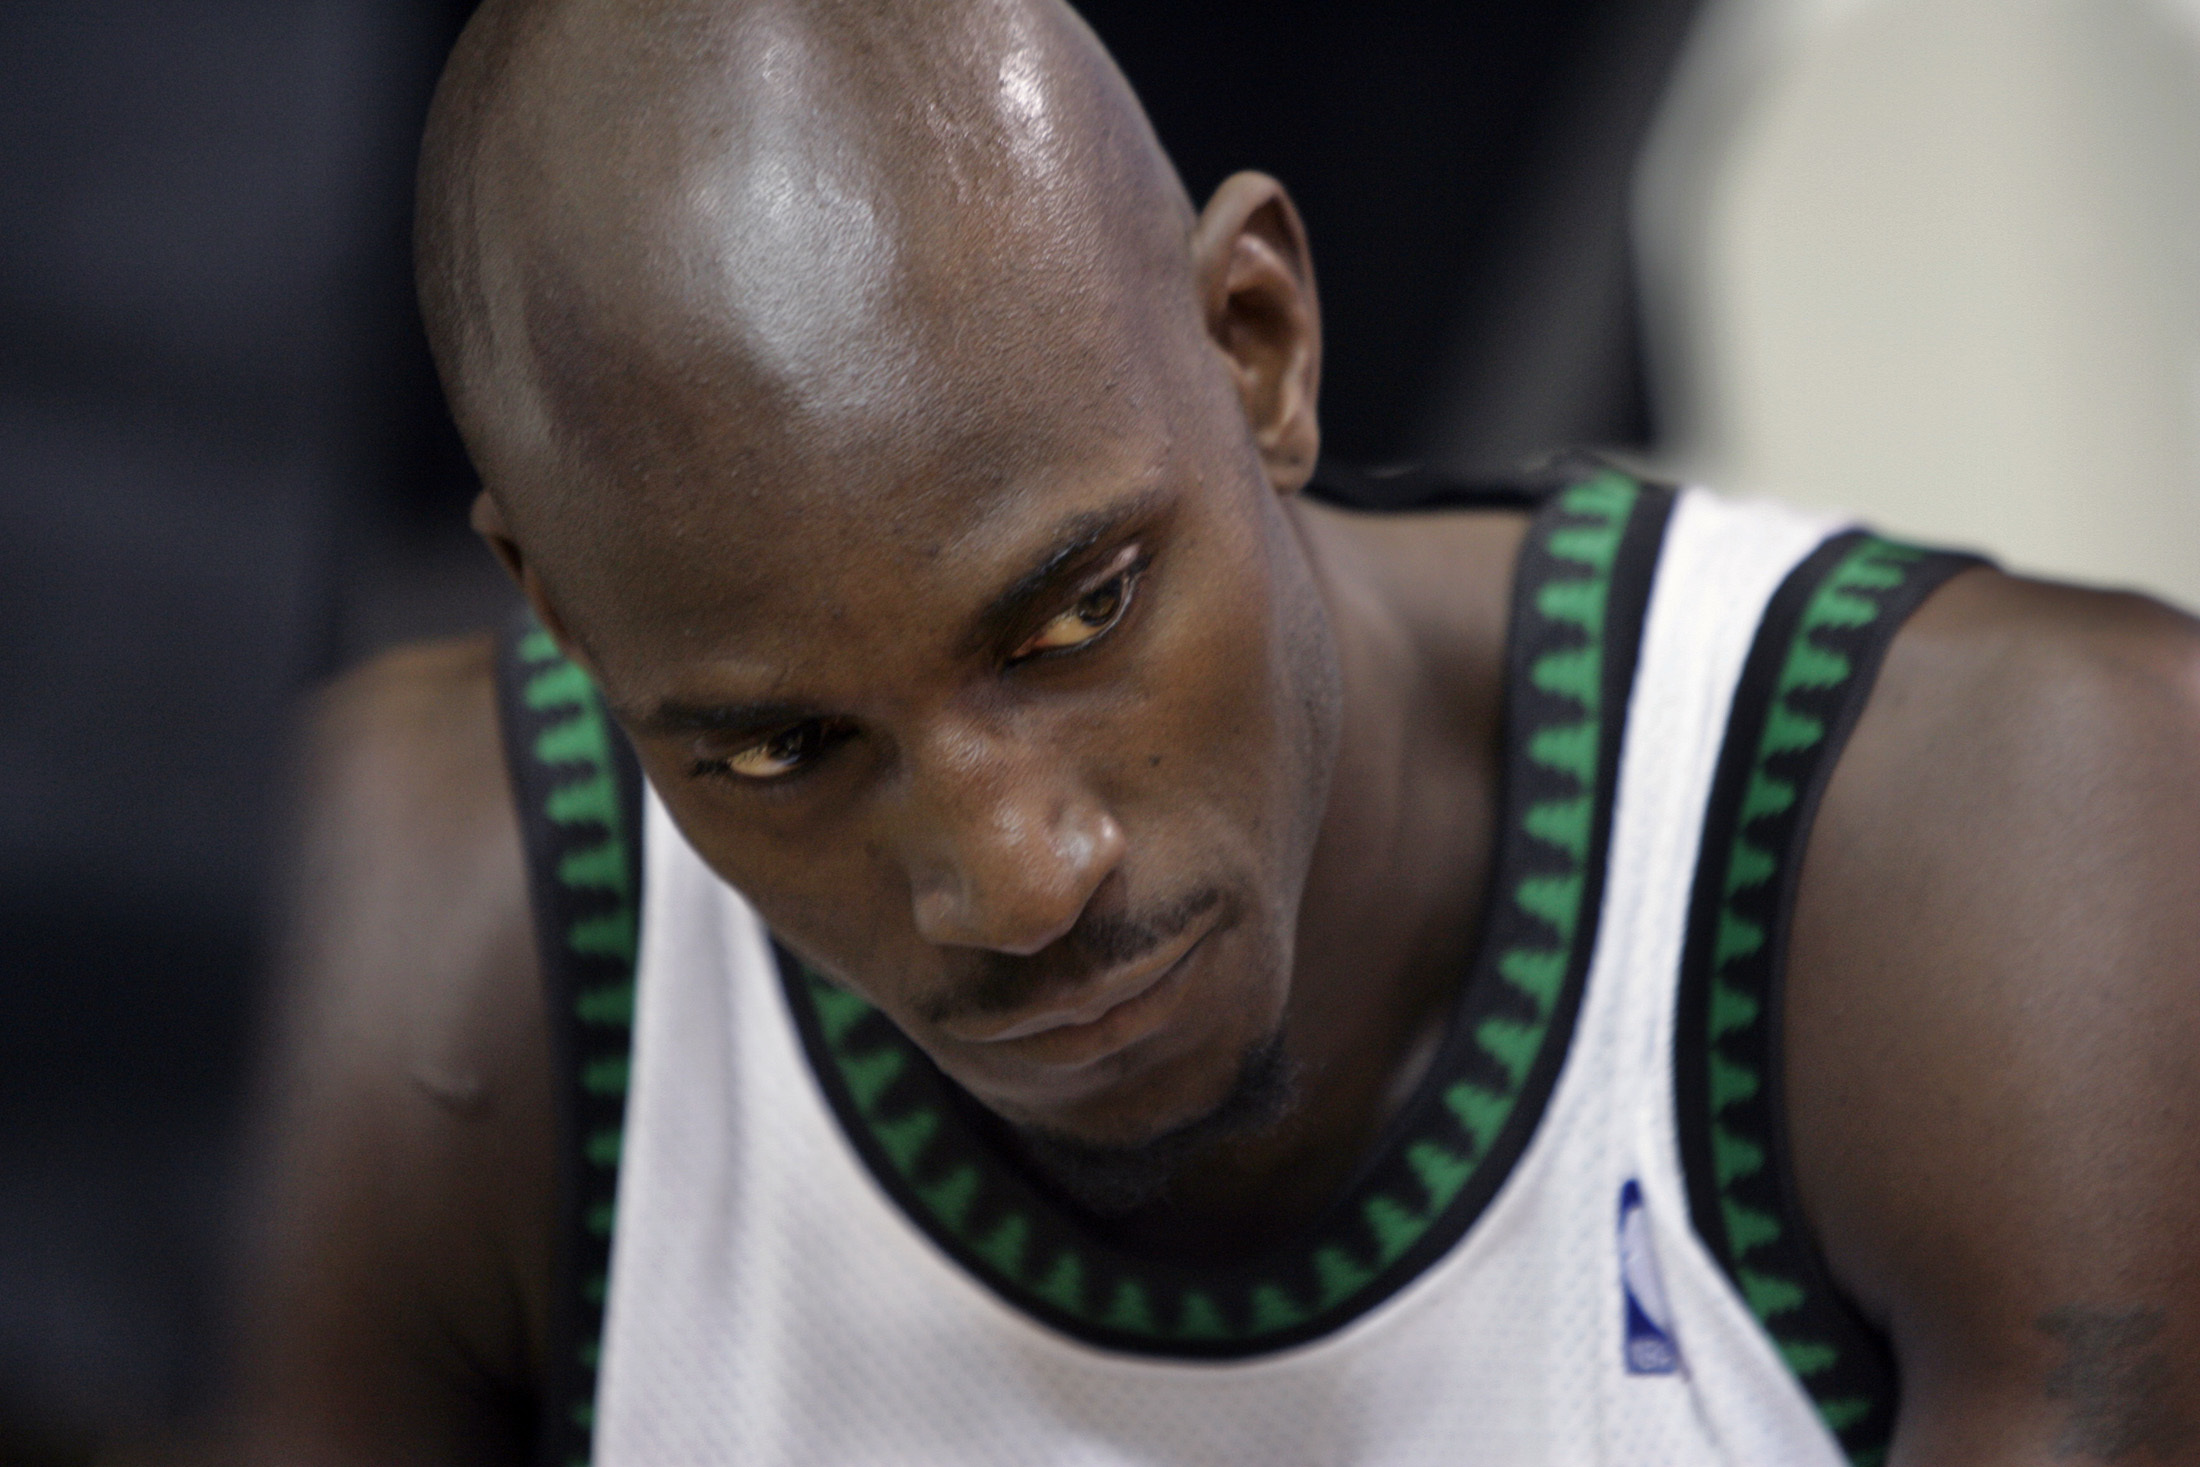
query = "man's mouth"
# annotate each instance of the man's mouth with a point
(1097, 1017)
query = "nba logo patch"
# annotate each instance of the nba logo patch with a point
(1650, 1347)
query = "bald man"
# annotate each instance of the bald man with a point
(995, 914)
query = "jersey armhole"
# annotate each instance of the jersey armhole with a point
(578, 791)
(1804, 685)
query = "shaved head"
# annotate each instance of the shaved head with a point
(781, 244)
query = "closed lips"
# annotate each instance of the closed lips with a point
(1106, 997)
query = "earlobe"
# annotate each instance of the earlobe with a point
(1256, 287)
(487, 520)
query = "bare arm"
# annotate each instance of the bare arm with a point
(1993, 1032)
(398, 1285)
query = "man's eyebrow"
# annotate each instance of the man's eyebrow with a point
(1073, 539)
(671, 718)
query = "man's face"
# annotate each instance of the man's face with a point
(1035, 767)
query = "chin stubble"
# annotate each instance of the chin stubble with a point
(1113, 1181)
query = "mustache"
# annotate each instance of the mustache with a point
(1006, 983)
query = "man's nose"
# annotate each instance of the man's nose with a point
(1004, 846)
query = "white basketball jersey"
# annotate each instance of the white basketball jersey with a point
(817, 1260)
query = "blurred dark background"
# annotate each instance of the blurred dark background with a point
(226, 472)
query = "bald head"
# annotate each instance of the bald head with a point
(748, 233)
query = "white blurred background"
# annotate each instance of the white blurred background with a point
(1938, 262)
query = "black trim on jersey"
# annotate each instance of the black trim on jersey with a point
(578, 791)
(1580, 592)
(1411, 488)
(1804, 685)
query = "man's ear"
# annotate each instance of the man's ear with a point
(1255, 280)
(488, 521)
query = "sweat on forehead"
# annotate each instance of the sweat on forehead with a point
(774, 244)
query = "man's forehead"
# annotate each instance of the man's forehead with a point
(700, 498)
(935, 389)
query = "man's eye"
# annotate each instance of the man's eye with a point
(779, 754)
(1096, 612)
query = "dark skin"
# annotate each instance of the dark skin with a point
(1256, 734)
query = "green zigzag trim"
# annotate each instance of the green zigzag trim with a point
(1443, 1164)
(579, 742)
(1845, 599)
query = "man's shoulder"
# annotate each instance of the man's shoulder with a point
(411, 913)
(2019, 728)
(2043, 665)
(1991, 987)
(416, 722)
(413, 870)
(2024, 781)
(409, 1178)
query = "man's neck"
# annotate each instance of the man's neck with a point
(1388, 918)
